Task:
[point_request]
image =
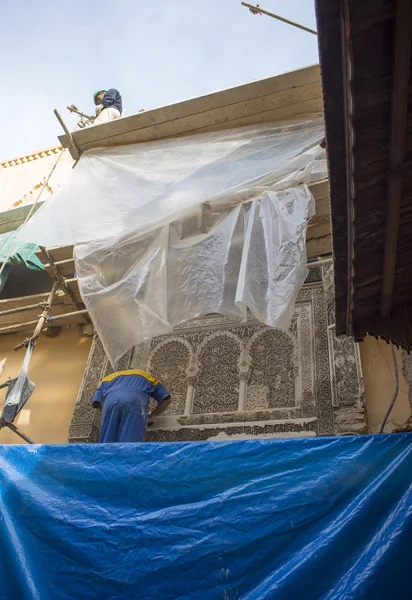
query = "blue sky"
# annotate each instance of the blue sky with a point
(155, 52)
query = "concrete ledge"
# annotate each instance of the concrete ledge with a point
(237, 430)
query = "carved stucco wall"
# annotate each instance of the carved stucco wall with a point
(170, 361)
(245, 379)
(346, 371)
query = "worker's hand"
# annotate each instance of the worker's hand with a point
(99, 109)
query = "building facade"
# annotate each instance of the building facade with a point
(232, 380)
(229, 380)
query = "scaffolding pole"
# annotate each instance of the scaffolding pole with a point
(42, 319)
(17, 431)
(57, 275)
(11, 311)
(256, 10)
(75, 148)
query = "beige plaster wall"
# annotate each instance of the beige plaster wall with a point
(56, 368)
(20, 183)
(379, 382)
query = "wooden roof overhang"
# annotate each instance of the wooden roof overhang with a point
(365, 56)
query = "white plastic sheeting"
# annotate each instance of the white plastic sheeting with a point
(171, 230)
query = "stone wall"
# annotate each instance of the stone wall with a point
(239, 380)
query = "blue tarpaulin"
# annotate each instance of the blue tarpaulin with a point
(315, 518)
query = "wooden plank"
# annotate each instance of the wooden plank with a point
(66, 267)
(58, 253)
(318, 246)
(320, 189)
(244, 93)
(73, 285)
(63, 320)
(397, 146)
(268, 116)
(61, 305)
(10, 303)
(319, 226)
(319, 223)
(34, 313)
(65, 299)
(222, 122)
(186, 124)
(254, 112)
(322, 207)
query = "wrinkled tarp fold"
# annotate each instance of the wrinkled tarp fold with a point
(319, 519)
(171, 230)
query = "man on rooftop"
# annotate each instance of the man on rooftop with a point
(108, 106)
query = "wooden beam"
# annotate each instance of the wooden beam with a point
(66, 267)
(276, 98)
(72, 318)
(58, 253)
(349, 119)
(397, 145)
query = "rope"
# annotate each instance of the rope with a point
(45, 182)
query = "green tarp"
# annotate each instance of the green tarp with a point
(22, 253)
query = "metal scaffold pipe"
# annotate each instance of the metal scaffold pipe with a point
(256, 10)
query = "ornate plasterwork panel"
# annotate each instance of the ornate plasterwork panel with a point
(274, 370)
(217, 381)
(345, 371)
(170, 360)
(300, 380)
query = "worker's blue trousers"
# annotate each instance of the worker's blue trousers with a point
(124, 417)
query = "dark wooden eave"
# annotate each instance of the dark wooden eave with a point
(397, 148)
(365, 53)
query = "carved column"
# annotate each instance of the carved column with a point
(243, 379)
(190, 394)
(243, 364)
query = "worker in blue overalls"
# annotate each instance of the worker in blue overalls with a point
(124, 398)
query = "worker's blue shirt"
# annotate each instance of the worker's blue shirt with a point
(112, 98)
(125, 397)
